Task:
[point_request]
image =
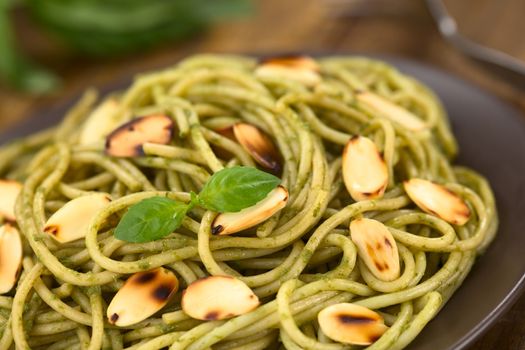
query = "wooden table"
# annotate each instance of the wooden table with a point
(309, 26)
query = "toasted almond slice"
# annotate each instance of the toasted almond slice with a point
(101, 122)
(364, 170)
(127, 140)
(228, 223)
(71, 221)
(438, 200)
(217, 298)
(258, 145)
(226, 132)
(292, 61)
(376, 247)
(299, 68)
(10, 257)
(143, 294)
(391, 111)
(9, 191)
(351, 324)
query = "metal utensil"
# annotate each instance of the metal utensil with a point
(499, 64)
(496, 62)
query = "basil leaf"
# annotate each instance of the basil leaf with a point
(151, 219)
(233, 189)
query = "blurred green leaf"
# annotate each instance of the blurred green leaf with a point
(14, 69)
(112, 27)
(105, 28)
(31, 78)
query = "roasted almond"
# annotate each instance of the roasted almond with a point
(102, 120)
(228, 223)
(143, 294)
(127, 140)
(376, 247)
(351, 324)
(226, 132)
(364, 170)
(9, 191)
(391, 111)
(302, 69)
(71, 221)
(218, 298)
(10, 257)
(292, 61)
(438, 200)
(258, 145)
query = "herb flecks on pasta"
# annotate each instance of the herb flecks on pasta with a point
(360, 236)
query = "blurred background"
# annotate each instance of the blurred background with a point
(51, 50)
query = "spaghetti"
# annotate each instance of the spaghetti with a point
(298, 262)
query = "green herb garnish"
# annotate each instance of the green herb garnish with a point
(151, 219)
(229, 190)
(234, 189)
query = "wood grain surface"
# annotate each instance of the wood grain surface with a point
(404, 29)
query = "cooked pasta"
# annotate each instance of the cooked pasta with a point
(301, 260)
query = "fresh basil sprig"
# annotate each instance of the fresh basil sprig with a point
(229, 190)
(234, 189)
(151, 219)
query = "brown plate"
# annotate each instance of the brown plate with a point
(491, 136)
